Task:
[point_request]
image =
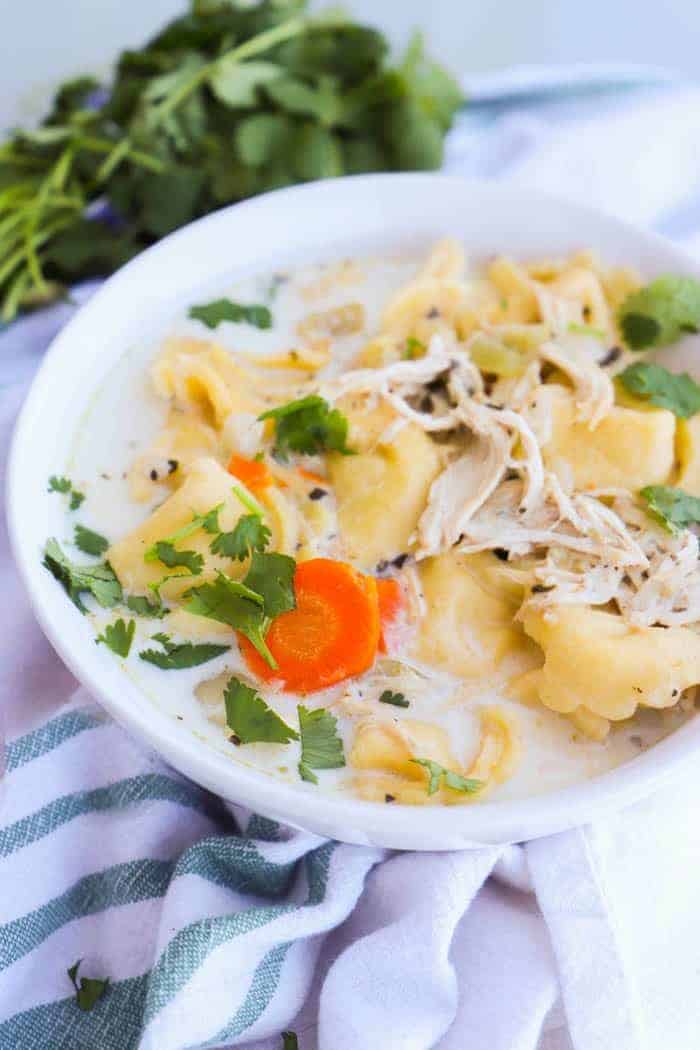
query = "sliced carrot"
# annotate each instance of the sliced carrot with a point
(254, 474)
(311, 476)
(332, 633)
(391, 602)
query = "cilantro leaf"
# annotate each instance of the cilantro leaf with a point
(250, 719)
(173, 558)
(143, 606)
(250, 534)
(414, 348)
(65, 486)
(90, 542)
(231, 602)
(212, 314)
(308, 425)
(90, 989)
(209, 522)
(673, 508)
(449, 779)
(661, 312)
(290, 1041)
(98, 580)
(272, 577)
(396, 699)
(178, 656)
(321, 747)
(677, 392)
(118, 637)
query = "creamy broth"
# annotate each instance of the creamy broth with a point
(125, 418)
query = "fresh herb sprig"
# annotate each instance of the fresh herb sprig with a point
(227, 101)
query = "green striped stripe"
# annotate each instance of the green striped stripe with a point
(118, 1020)
(147, 787)
(49, 736)
(236, 864)
(263, 828)
(190, 946)
(263, 986)
(127, 883)
(231, 863)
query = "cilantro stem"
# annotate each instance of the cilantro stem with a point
(262, 42)
(248, 502)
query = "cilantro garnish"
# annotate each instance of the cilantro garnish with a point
(586, 329)
(143, 606)
(250, 719)
(98, 580)
(209, 522)
(308, 425)
(661, 312)
(677, 392)
(90, 542)
(250, 606)
(228, 601)
(173, 558)
(118, 637)
(227, 101)
(249, 535)
(438, 773)
(290, 1041)
(673, 508)
(272, 577)
(89, 990)
(65, 486)
(396, 699)
(178, 656)
(212, 314)
(414, 348)
(321, 747)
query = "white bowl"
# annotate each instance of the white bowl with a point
(309, 223)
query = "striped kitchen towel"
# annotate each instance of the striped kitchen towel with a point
(218, 928)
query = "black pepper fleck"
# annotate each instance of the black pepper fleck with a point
(153, 475)
(432, 313)
(612, 355)
(390, 798)
(318, 493)
(235, 739)
(382, 566)
(172, 466)
(400, 560)
(501, 553)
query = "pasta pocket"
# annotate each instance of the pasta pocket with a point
(596, 661)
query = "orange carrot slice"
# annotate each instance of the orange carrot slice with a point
(310, 475)
(254, 474)
(332, 633)
(391, 602)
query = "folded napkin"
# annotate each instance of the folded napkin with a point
(217, 927)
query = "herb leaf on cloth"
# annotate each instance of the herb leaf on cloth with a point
(89, 990)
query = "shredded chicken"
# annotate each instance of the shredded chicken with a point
(593, 389)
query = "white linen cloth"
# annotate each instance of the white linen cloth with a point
(218, 928)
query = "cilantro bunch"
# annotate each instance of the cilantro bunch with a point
(225, 102)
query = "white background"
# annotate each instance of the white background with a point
(43, 41)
